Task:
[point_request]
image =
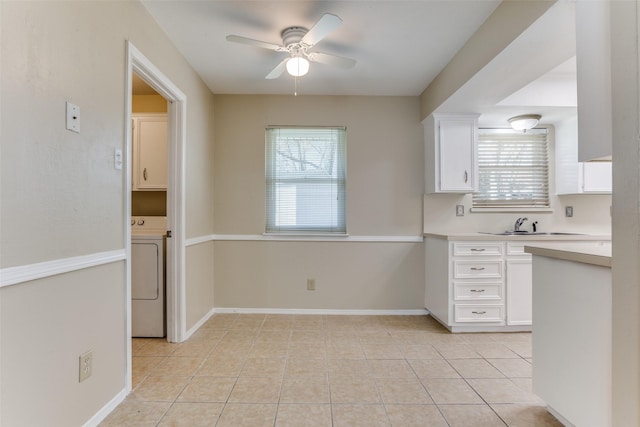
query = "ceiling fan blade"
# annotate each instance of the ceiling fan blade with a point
(277, 72)
(252, 42)
(326, 24)
(326, 58)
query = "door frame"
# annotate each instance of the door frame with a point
(175, 245)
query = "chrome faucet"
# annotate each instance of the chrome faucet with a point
(519, 223)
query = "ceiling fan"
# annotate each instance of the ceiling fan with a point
(298, 42)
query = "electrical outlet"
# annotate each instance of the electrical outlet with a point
(568, 211)
(85, 366)
(311, 284)
(459, 210)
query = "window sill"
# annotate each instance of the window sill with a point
(506, 210)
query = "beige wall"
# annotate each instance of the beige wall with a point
(384, 159)
(349, 276)
(46, 325)
(199, 292)
(384, 198)
(591, 214)
(62, 197)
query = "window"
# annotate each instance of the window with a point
(305, 179)
(513, 169)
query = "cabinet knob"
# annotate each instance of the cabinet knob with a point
(477, 290)
(477, 268)
(144, 174)
(477, 250)
(466, 176)
(479, 312)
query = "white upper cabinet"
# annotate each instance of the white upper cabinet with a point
(595, 177)
(450, 153)
(149, 151)
(573, 177)
(593, 66)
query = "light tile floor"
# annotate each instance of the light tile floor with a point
(308, 370)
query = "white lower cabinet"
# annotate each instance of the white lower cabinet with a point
(474, 286)
(479, 312)
(519, 292)
(519, 283)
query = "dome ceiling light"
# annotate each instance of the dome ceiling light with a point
(525, 121)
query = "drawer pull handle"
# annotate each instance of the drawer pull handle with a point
(477, 250)
(477, 290)
(477, 268)
(479, 312)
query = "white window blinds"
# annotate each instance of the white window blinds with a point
(513, 169)
(305, 179)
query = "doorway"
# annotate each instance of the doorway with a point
(138, 65)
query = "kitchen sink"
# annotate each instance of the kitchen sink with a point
(532, 233)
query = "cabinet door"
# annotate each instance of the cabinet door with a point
(151, 153)
(596, 177)
(519, 291)
(457, 139)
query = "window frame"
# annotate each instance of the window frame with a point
(516, 207)
(338, 230)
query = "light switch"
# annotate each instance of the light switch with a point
(73, 117)
(117, 159)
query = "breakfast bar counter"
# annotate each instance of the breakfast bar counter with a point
(572, 330)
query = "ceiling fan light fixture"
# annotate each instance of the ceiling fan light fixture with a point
(297, 66)
(525, 121)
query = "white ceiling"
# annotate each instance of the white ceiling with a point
(399, 46)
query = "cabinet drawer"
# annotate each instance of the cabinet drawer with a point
(478, 313)
(477, 291)
(476, 249)
(463, 269)
(515, 248)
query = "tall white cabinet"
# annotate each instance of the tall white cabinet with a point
(149, 151)
(450, 153)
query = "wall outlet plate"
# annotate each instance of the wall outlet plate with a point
(568, 211)
(459, 210)
(117, 159)
(311, 284)
(86, 366)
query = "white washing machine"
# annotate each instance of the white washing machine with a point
(148, 274)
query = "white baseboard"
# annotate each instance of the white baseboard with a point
(197, 326)
(410, 312)
(106, 409)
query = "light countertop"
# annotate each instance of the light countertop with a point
(453, 236)
(595, 253)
